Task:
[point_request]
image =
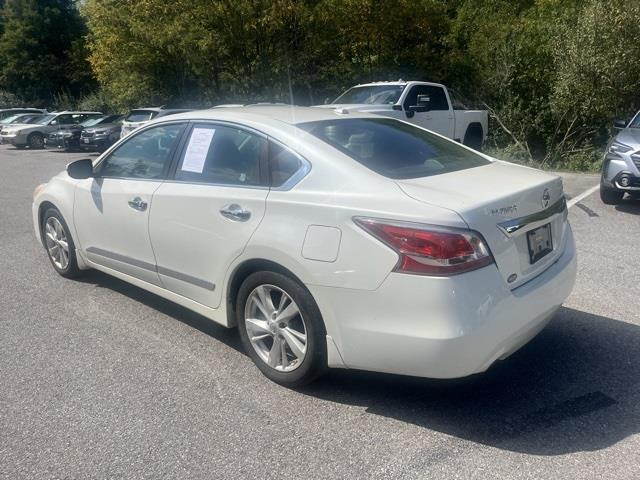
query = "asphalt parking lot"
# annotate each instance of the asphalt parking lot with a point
(99, 379)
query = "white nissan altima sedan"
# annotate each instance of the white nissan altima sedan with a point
(329, 238)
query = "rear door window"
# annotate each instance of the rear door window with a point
(392, 148)
(223, 155)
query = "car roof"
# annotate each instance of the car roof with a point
(74, 112)
(288, 114)
(23, 109)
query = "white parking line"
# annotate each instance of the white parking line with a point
(582, 196)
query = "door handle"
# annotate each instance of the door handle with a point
(235, 212)
(138, 204)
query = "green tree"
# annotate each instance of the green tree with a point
(40, 52)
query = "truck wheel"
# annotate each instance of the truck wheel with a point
(473, 137)
(36, 140)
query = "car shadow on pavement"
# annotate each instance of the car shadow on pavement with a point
(574, 387)
(631, 206)
(225, 335)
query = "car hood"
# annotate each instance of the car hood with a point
(16, 126)
(629, 136)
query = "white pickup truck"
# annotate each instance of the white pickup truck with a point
(428, 105)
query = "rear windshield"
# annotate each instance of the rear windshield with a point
(140, 115)
(392, 148)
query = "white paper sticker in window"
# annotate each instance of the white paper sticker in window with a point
(197, 149)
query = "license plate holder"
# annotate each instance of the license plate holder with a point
(85, 140)
(540, 242)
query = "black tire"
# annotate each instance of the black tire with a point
(71, 270)
(610, 196)
(36, 141)
(314, 363)
(473, 137)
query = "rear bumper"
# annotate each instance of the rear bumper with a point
(443, 327)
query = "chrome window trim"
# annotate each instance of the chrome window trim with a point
(515, 226)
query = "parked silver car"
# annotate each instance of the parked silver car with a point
(33, 135)
(621, 165)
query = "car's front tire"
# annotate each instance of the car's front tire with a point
(59, 244)
(610, 196)
(281, 328)
(36, 141)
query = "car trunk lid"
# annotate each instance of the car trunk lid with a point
(503, 202)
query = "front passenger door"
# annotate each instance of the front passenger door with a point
(111, 210)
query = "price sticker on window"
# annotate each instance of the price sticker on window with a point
(197, 150)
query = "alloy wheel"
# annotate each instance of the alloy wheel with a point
(276, 328)
(56, 242)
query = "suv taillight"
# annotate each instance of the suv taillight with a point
(429, 249)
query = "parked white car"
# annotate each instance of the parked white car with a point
(141, 116)
(330, 239)
(425, 104)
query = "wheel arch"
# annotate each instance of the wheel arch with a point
(474, 127)
(42, 208)
(241, 271)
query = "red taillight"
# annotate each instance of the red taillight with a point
(430, 250)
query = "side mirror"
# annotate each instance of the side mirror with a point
(423, 104)
(620, 124)
(80, 169)
(327, 101)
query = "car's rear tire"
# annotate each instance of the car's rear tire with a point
(59, 245)
(610, 196)
(281, 328)
(36, 140)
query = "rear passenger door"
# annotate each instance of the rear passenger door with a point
(205, 213)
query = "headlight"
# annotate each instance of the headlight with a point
(38, 189)
(617, 147)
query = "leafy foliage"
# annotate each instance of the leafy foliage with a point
(552, 73)
(40, 49)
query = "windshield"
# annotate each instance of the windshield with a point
(635, 123)
(12, 118)
(44, 120)
(140, 115)
(92, 121)
(392, 148)
(374, 95)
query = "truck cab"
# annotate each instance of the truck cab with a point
(428, 105)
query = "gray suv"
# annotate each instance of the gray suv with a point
(621, 165)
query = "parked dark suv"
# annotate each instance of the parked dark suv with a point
(70, 138)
